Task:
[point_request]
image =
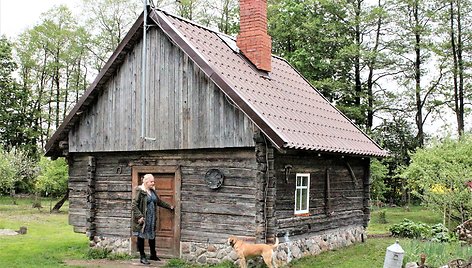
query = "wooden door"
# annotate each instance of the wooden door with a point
(165, 228)
(167, 184)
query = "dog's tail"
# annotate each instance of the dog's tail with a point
(276, 242)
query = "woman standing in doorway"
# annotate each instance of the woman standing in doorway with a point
(144, 210)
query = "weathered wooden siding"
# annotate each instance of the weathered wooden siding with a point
(342, 205)
(206, 215)
(184, 109)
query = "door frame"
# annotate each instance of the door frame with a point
(136, 170)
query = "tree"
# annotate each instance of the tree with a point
(368, 23)
(17, 171)
(312, 35)
(339, 46)
(397, 135)
(378, 175)
(189, 9)
(107, 23)
(440, 176)
(411, 46)
(15, 112)
(52, 69)
(223, 14)
(454, 53)
(52, 178)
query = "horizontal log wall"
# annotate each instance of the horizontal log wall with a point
(206, 215)
(184, 108)
(342, 205)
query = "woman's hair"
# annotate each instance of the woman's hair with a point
(147, 177)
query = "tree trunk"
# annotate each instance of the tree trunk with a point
(455, 64)
(371, 65)
(59, 203)
(460, 118)
(357, 63)
(419, 102)
(57, 82)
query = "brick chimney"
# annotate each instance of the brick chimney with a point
(253, 40)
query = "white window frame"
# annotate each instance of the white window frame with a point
(298, 193)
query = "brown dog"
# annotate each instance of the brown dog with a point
(247, 250)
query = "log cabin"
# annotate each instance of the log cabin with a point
(237, 139)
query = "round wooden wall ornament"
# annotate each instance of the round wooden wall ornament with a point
(214, 178)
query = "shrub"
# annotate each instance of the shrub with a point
(378, 174)
(177, 263)
(439, 176)
(119, 256)
(98, 253)
(383, 217)
(17, 171)
(410, 229)
(439, 233)
(53, 176)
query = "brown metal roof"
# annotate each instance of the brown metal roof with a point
(282, 104)
(296, 113)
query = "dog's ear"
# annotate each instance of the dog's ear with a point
(231, 240)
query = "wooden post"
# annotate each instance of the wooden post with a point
(91, 202)
(265, 190)
(328, 194)
(366, 183)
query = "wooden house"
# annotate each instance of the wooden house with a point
(237, 139)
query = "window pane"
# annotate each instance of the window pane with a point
(302, 192)
(303, 203)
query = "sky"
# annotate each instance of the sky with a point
(18, 15)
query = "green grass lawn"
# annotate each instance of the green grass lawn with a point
(397, 214)
(369, 254)
(49, 239)
(372, 253)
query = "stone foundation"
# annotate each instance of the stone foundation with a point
(289, 248)
(115, 245)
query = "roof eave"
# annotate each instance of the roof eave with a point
(359, 153)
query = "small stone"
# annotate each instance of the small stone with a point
(221, 254)
(324, 245)
(185, 248)
(281, 255)
(227, 258)
(233, 255)
(199, 251)
(296, 253)
(212, 261)
(202, 259)
(211, 248)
